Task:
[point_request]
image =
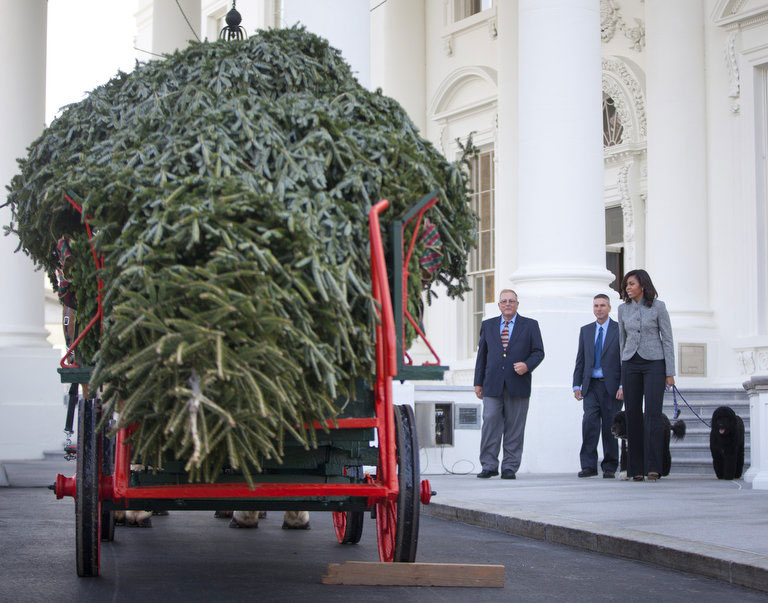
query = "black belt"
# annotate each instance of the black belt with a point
(598, 378)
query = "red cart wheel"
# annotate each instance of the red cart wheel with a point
(348, 526)
(87, 503)
(397, 523)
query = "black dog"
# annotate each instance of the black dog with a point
(726, 442)
(619, 430)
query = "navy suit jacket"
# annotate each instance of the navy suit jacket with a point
(610, 361)
(493, 368)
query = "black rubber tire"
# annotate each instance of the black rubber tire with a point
(408, 474)
(87, 504)
(353, 527)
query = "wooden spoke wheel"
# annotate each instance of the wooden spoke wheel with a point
(397, 523)
(348, 526)
(87, 503)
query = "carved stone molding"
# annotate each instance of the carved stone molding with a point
(455, 29)
(627, 94)
(746, 362)
(493, 31)
(611, 20)
(443, 133)
(609, 17)
(448, 46)
(762, 360)
(739, 15)
(626, 202)
(628, 213)
(753, 361)
(732, 63)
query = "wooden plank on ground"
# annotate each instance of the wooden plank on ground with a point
(415, 574)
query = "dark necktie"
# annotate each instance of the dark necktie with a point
(505, 335)
(598, 347)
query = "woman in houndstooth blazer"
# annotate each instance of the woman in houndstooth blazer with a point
(647, 366)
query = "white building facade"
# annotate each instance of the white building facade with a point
(678, 186)
(670, 176)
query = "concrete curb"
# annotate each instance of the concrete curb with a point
(736, 567)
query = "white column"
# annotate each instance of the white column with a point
(398, 54)
(170, 30)
(506, 146)
(677, 248)
(560, 217)
(31, 411)
(559, 222)
(757, 474)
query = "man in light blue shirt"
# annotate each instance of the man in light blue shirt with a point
(597, 381)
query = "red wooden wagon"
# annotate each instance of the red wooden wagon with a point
(328, 478)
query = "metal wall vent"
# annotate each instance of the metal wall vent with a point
(467, 416)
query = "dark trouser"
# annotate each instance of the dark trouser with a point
(645, 431)
(600, 406)
(503, 417)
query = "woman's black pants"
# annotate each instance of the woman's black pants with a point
(645, 431)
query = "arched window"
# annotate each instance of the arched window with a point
(612, 128)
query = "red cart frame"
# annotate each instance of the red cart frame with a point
(385, 493)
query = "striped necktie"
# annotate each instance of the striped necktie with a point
(505, 335)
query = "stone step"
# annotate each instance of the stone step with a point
(691, 468)
(695, 452)
(705, 410)
(700, 441)
(697, 467)
(712, 393)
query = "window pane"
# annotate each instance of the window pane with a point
(489, 289)
(493, 249)
(612, 127)
(485, 171)
(614, 225)
(485, 211)
(485, 251)
(478, 287)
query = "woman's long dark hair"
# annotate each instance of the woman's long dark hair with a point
(644, 280)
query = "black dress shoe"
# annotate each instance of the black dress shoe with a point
(609, 474)
(508, 475)
(587, 472)
(486, 473)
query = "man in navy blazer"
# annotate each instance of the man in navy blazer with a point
(510, 348)
(597, 381)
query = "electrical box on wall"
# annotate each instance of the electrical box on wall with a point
(444, 424)
(434, 423)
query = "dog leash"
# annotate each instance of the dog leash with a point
(675, 393)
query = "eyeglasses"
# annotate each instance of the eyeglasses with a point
(508, 301)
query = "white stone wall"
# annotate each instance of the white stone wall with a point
(709, 226)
